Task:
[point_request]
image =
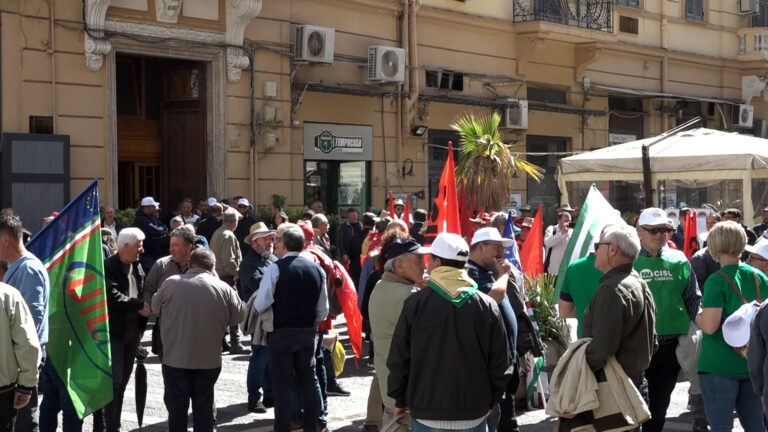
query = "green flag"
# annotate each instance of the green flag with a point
(78, 342)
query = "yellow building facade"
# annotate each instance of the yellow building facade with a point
(198, 98)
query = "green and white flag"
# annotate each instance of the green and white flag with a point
(595, 214)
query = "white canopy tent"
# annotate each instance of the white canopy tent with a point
(694, 155)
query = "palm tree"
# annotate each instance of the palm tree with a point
(486, 163)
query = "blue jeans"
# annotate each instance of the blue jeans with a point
(55, 399)
(722, 395)
(181, 385)
(292, 353)
(421, 427)
(257, 373)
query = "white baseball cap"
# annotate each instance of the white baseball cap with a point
(760, 248)
(450, 246)
(736, 326)
(490, 234)
(212, 201)
(150, 201)
(653, 216)
(243, 201)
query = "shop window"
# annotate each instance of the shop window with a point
(694, 10)
(445, 79)
(542, 94)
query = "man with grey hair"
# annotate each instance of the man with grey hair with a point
(210, 224)
(320, 226)
(226, 247)
(403, 272)
(124, 279)
(196, 309)
(622, 315)
(294, 287)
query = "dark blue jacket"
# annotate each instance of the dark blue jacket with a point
(156, 241)
(485, 280)
(251, 272)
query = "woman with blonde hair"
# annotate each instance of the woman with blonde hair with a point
(723, 372)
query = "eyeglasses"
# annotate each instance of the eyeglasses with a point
(656, 231)
(242, 206)
(753, 257)
(597, 245)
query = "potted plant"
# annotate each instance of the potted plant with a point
(553, 330)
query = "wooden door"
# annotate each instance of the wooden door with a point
(183, 127)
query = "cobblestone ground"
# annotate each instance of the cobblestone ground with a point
(345, 413)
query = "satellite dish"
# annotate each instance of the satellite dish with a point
(389, 63)
(315, 43)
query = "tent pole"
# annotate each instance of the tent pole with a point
(647, 185)
(749, 211)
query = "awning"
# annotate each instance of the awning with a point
(660, 95)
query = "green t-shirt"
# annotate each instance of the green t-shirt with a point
(580, 283)
(718, 357)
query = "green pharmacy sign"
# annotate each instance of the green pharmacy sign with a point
(326, 142)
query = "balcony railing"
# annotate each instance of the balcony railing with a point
(753, 41)
(588, 14)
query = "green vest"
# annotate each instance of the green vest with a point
(667, 277)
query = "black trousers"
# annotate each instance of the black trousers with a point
(123, 357)
(661, 376)
(508, 419)
(181, 385)
(7, 412)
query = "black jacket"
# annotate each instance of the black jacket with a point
(448, 362)
(157, 239)
(123, 310)
(208, 226)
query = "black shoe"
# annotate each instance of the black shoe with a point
(337, 391)
(268, 402)
(236, 348)
(370, 428)
(257, 407)
(224, 345)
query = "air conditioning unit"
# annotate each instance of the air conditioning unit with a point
(742, 115)
(385, 64)
(515, 116)
(314, 44)
(748, 7)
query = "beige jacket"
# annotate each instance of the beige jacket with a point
(20, 352)
(384, 309)
(225, 246)
(574, 390)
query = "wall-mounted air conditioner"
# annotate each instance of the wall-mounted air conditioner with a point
(749, 7)
(742, 115)
(515, 115)
(385, 64)
(314, 44)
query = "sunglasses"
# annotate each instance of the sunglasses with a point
(242, 206)
(656, 231)
(597, 245)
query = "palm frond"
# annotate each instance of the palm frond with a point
(486, 163)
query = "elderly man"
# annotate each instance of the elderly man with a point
(449, 374)
(182, 244)
(28, 275)
(556, 240)
(155, 233)
(252, 271)
(225, 246)
(320, 239)
(20, 354)
(294, 287)
(734, 214)
(209, 225)
(347, 231)
(356, 246)
(403, 272)
(124, 280)
(676, 295)
(246, 220)
(621, 317)
(317, 206)
(196, 309)
(186, 213)
(488, 267)
(399, 208)
(108, 222)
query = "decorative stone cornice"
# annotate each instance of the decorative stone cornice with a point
(239, 14)
(95, 47)
(160, 31)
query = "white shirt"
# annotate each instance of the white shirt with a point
(112, 228)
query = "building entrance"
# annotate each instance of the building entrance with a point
(161, 129)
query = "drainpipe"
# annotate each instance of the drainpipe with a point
(412, 77)
(254, 183)
(402, 106)
(52, 47)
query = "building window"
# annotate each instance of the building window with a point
(628, 25)
(761, 19)
(445, 79)
(694, 10)
(629, 3)
(541, 94)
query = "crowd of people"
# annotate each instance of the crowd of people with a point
(447, 323)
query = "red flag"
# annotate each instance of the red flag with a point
(347, 296)
(444, 216)
(407, 212)
(391, 206)
(690, 235)
(532, 254)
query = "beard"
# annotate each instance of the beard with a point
(266, 253)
